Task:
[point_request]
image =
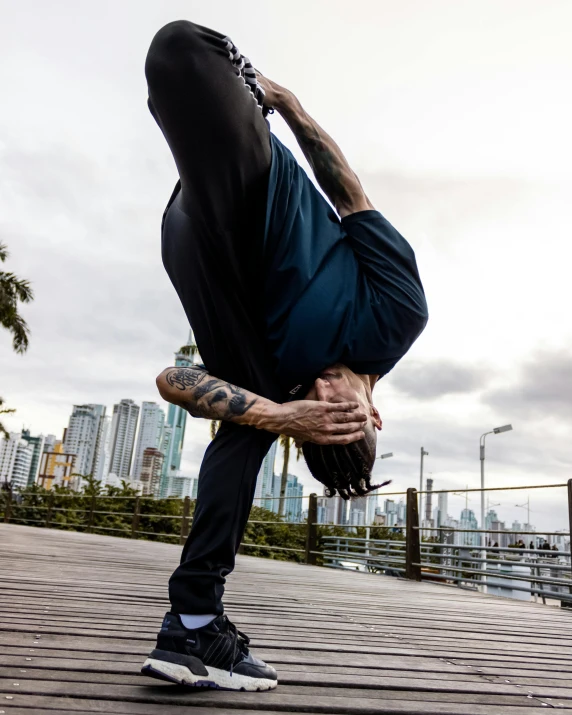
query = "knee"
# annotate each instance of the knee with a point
(172, 46)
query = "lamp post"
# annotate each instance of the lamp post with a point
(496, 430)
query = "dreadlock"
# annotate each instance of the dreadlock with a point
(344, 469)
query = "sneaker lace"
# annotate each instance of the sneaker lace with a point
(240, 641)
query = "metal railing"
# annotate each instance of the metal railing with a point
(41, 509)
(497, 570)
(493, 569)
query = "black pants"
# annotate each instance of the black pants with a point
(212, 240)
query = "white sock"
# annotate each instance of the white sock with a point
(193, 622)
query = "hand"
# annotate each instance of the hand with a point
(274, 94)
(318, 422)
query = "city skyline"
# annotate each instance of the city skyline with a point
(454, 153)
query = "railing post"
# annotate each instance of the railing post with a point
(49, 510)
(91, 515)
(412, 537)
(312, 530)
(136, 515)
(564, 603)
(185, 520)
(8, 511)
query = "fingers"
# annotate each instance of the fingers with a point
(342, 417)
(346, 427)
(341, 438)
(340, 406)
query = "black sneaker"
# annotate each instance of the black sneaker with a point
(215, 656)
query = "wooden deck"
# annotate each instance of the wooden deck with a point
(79, 612)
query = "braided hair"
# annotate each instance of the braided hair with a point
(344, 469)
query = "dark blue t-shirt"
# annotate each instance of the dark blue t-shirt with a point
(335, 291)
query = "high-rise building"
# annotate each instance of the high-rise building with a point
(293, 501)
(358, 505)
(151, 426)
(180, 485)
(103, 453)
(16, 457)
(50, 442)
(37, 444)
(442, 506)
(335, 510)
(468, 520)
(56, 467)
(82, 436)
(172, 444)
(264, 481)
(429, 500)
(123, 428)
(150, 473)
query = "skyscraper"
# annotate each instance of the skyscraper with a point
(37, 444)
(429, 501)
(174, 433)
(150, 473)
(123, 428)
(103, 452)
(442, 507)
(468, 521)
(293, 502)
(16, 457)
(83, 434)
(264, 481)
(151, 426)
(358, 508)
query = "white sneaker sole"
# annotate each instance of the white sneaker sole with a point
(216, 678)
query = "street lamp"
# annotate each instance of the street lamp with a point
(385, 456)
(496, 430)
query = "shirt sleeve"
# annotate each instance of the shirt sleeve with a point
(388, 262)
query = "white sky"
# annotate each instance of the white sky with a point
(456, 116)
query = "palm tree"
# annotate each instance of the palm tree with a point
(12, 291)
(4, 411)
(285, 442)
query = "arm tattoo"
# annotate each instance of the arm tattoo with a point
(184, 377)
(329, 169)
(207, 396)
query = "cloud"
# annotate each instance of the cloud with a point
(428, 380)
(542, 388)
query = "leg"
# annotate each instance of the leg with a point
(226, 488)
(212, 123)
(212, 235)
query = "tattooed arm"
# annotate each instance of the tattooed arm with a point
(332, 171)
(203, 395)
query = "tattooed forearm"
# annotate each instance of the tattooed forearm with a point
(330, 172)
(206, 396)
(331, 168)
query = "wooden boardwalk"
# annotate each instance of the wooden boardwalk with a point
(79, 612)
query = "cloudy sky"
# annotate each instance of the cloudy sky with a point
(456, 115)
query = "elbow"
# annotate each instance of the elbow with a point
(162, 384)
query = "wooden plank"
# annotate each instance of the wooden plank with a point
(406, 647)
(29, 705)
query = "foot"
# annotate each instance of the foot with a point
(215, 656)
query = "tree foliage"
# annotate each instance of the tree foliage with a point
(14, 290)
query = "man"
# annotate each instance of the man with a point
(287, 300)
